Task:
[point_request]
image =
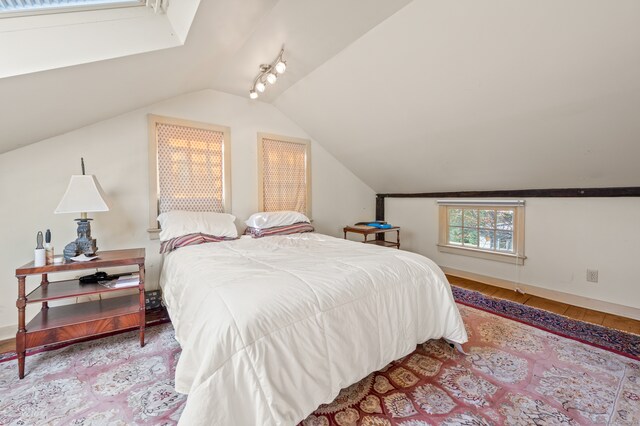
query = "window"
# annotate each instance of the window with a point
(30, 7)
(486, 229)
(284, 174)
(189, 167)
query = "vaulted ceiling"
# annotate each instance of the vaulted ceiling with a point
(227, 41)
(483, 95)
(428, 95)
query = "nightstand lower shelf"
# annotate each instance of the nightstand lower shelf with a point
(383, 243)
(68, 288)
(78, 320)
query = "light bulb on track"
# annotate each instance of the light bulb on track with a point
(281, 66)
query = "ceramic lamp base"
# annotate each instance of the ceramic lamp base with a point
(84, 244)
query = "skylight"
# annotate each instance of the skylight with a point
(31, 7)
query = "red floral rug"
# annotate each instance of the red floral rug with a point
(627, 344)
(110, 381)
(513, 374)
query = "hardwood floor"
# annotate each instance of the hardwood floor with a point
(575, 312)
(8, 345)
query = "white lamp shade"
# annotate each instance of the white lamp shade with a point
(83, 195)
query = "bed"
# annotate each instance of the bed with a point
(270, 328)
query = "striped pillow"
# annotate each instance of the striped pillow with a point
(296, 228)
(189, 240)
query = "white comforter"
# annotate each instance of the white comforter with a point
(271, 328)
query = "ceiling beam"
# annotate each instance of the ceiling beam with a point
(622, 191)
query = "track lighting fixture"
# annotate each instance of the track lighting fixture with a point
(268, 74)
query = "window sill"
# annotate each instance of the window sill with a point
(154, 233)
(514, 259)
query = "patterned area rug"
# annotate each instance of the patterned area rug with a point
(513, 374)
(110, 381)
(618, 341)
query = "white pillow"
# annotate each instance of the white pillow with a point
(264, 220)
(177, 223)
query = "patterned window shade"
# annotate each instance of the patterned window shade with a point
(190, 168)
(284, 175)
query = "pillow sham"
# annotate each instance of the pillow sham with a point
(189, 240)
(263, 220)
(178, 223)
(296, 228)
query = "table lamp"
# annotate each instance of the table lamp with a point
(84, 195)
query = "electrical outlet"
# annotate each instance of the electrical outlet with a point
(592, 275)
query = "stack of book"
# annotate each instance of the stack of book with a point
(130, 280)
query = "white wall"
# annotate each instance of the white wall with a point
(544, 92)
(563, 237)
(33, 179)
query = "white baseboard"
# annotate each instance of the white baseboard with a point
(571, 299)
(8, 332)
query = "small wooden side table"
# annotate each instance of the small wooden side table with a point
(370, 230)
(78, 320)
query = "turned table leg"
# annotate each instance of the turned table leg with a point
(45, 282)
(22, 330)
(142, 306)
(21, 356)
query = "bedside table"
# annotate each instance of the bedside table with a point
(370, 230)
(78, 320)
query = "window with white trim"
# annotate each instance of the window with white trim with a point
(486, 229)
(284, 174)
(189, 167)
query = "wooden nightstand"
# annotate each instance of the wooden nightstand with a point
(77, 320)
(370, 230)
